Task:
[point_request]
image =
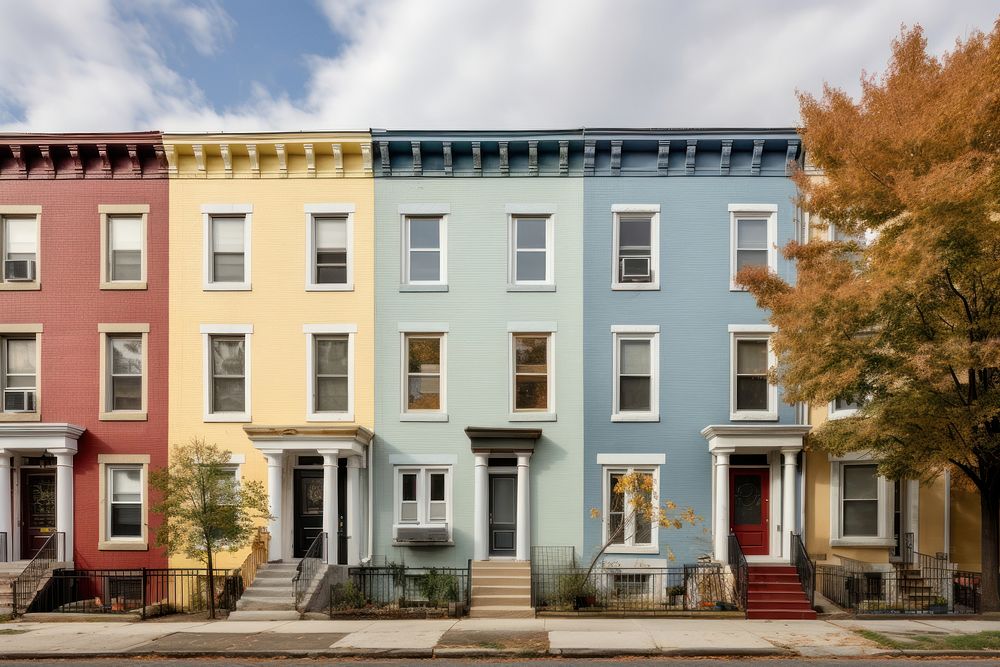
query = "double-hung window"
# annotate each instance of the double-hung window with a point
(532, 396)
(19, 374)
(329, 240)
(752, 395)
(227, 247)
(636, 373)
(423, 495)
(330, 368)
(425, 256)
(862, 503)
(635, 239)
(123, 246)
(843, 406)
(531, 251)
(125, 502)
(227, 372)
(424, 395)
(123, 371)
(753, 238)
(19, 251)
(629, 523)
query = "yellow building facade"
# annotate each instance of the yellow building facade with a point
(272, 323)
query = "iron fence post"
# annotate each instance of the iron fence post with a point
(145, 582)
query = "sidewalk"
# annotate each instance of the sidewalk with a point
(468, 638)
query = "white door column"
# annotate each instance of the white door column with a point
(6, 521)
(523, 508)
(353, 511)
(722, 507)
(64, 501)
(788, 503)
(330, 507)
(480, 510)
(275, 526)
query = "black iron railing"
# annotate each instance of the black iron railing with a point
(3, 547)
(804, 566)
(397, 589)
(27, 584)
(307, 568)
(740, 572)
(144, 593)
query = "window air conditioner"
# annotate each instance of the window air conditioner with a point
(422, 534)
(19, 270)
(21, 400)
(635, 269)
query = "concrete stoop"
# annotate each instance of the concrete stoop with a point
(501, 589)
(272, 591)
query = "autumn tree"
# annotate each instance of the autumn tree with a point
(905, 317)
(205, 509)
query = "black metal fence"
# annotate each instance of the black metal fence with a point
(143, 592)
(901, 590)
(399, 590)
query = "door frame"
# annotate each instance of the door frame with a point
(501, 472)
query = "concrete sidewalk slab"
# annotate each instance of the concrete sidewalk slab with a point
(379, 638)
(501, 624)
(226, 642)
(319, 627)
(682, 639)
(610, 640)
(241, 627)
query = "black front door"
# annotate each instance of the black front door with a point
(503, 515)
(38, 510)
(308, 492)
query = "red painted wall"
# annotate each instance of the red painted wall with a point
(69, 305)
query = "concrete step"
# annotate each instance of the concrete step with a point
(501, 600)
(501, 572)
(273, 582)
(774, 588)
(502, 612)
(259, 615)
(501, 589)
(264, 605)
(779, 604)
(776, 595)
(284, 575)
(265, 592)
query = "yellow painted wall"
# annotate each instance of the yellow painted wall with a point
(278, 304)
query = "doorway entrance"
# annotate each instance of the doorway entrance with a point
(748, 509)
(503, 515)
(38, 510)
(308, 502)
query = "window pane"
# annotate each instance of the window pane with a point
(228, 395)
(530, 233)
(408, 511)
(751, 234)
(425, 233)
(424, 355)
(126, 393)
(845, 404)
(331, 356)
(126, 485)
(438, 512)
(126, 521)
(437, 486)
(750, 258)
(425, 265)
(331, 394)
(227, 356)
(751, 357)
(424, 393)
(21, 356)
(615, 531)
(861, 518)
(331, 275)
(227, 268)
(126, 355)
(635, 357)
(331, 233)
(227, 235)
(21, 236)
(126, 265)
(126, 233)
(860, 482)
(634, 394)
(532, 392)
(747, 500)
(530, 266)
(751, 393)
(643, 529)
(530, 354)
(409, 486)
(617, 499)
(634, 233)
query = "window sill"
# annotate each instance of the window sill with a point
(122, 545)
(347, 287)
(423, 288)
(842, 414)
(423, 416)
(232, 417)
(330, 417)
(636, 417)
(226, 287)
(124, 285)
(651, 549)
(449, 543)
(737, 288)
(753, 416)
(122, 417)
(531, 288)
(873, 542)
(635, 287)
(20, 417)
(20, 286)
(532, 417)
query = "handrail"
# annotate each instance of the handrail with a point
(306, 570)
(256, 557)
(26, 584)
(804, 566)
(741, 571)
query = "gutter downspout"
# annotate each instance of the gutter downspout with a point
(947, 514)
(371, 501)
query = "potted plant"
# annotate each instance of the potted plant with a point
(676, 595)
(938, 605)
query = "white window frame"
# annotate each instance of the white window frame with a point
(222, 211)
(106, 464)
(635, 332)
(885, 506)
(311, 331)
(628, 463)
(106, 332)
(107, 213)
(423, 473)
(618, 211)
(834, 413)
(24, 331)
(549, 282)
(422, 330)
(208, 331)
(429, 213)
(768, 212)
(547, 329)
(312, 212)
(21, 211)
(752, 332)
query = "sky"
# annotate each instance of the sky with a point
(246, 65)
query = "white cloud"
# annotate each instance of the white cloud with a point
(466, 63)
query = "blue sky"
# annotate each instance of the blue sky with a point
(213, 65)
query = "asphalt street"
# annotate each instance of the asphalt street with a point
(627, 662)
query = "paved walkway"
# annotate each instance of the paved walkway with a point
(468, 637)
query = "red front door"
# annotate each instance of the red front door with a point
(748, 509)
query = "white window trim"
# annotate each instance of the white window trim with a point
(885, 504)
(549, 414)
(606, 469)
(636, 332)
(311, 331)
(549, 283)
(834, 413)
(109, 330)
(313, 211)
(22, 211)
(24, 331)
(767, 212)
(423, 495)
(404, 263)
(107, 212)
(231, 210)
(751, 332)
(617, 210)
(405, 413)
(207, 331)
(106, 463)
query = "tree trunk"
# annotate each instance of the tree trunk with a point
(989, 510)
(211, 584)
